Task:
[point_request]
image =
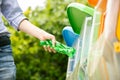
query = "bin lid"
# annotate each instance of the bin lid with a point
(76, 14)
(69, 36)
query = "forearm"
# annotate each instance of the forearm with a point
(31, 29)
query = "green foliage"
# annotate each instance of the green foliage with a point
(32, 62)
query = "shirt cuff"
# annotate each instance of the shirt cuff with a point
(16, 22)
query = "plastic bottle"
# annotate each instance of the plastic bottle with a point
(59, 47)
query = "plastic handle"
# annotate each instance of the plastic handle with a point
(59, 47)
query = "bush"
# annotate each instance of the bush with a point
(32, 62)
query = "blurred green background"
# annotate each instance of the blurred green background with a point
(32, 62)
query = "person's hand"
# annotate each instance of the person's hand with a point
(47, 36)
(31, 29)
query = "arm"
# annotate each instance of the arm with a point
(11, 10)
(31, 29)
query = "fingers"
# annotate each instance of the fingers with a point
(53, 41)
(48, 36)
(49, 49)
(45, 48)
(52, 38)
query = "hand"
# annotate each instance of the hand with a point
(31, 29)
(45, 36)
